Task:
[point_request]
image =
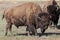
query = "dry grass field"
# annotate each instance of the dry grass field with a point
(50, 34)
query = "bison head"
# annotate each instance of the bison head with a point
(43, 21)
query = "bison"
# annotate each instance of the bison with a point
(52, 9)
(28, 14)
(22, 15)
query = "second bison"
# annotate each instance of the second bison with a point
(52, 8)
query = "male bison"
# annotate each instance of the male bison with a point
(21, 15)
(52, 9)
(28, 14)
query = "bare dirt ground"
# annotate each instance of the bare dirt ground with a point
(50, 34)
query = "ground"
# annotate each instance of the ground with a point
(50, 33)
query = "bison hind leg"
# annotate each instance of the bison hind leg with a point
(8, 28)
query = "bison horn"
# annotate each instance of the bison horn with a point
(39, 18)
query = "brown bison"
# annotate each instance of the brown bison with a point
(21, 15)
(28, 14)
(52, 9)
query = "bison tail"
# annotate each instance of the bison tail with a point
(3, 17)
(3, 14)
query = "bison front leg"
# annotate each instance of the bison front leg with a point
(28, 30)
(34, 31)
(8, 28)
